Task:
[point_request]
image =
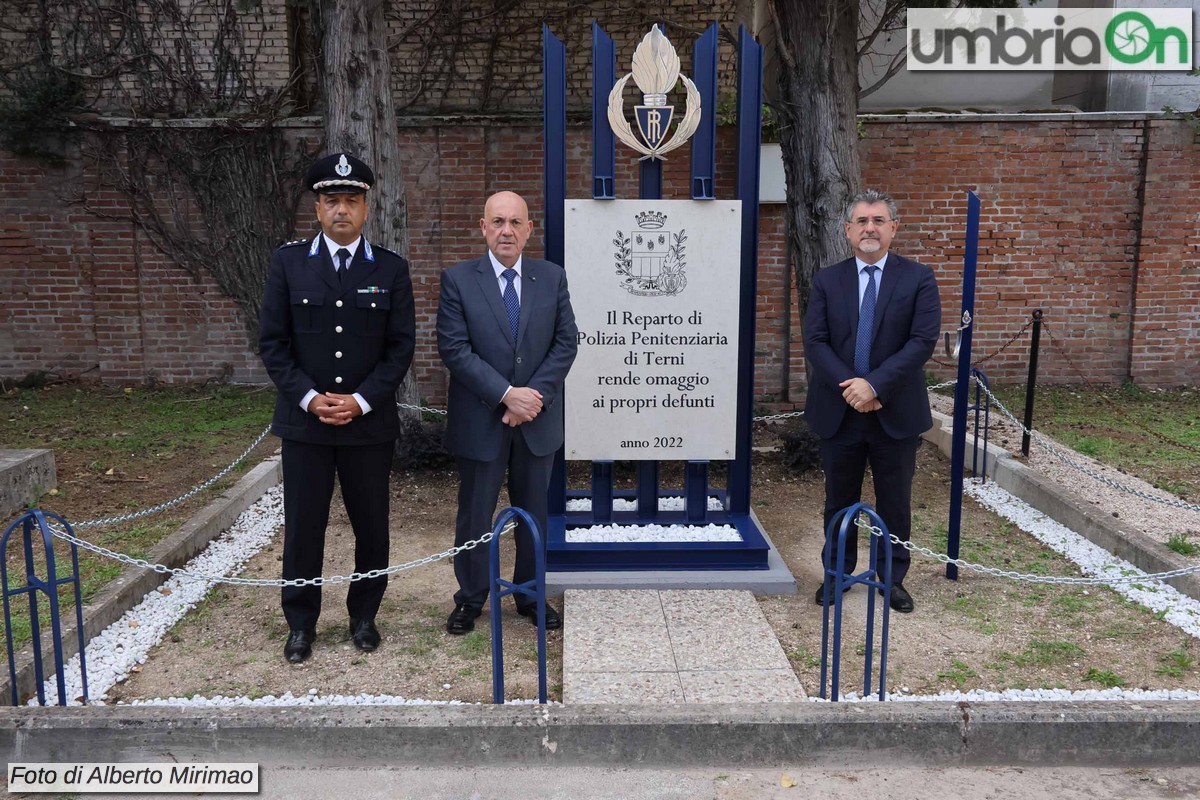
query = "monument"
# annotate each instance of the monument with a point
(664, 297)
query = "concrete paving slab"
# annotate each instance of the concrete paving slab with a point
(629, 647)
(622, 687)
(672, 647)
(741, 686)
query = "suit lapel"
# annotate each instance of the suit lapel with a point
(529, 289)
(892, 270)
(849, 281)
(322, 264)
(489, 287)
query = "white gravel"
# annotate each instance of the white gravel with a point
(654, 533)
(623, 504)
(1180, 610)
(122, 647)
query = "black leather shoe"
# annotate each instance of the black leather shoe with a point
(298, 646)
(364, 634)
(820, 596)
(901, 600)
(553, 618)
(462, 619)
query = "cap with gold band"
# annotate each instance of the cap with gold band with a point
(339, 173)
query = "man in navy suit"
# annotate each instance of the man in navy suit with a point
(871, 324)
(507, 334)
(336, 333)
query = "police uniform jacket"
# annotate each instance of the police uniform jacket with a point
(318, 332)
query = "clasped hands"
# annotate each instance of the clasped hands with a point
(859, 395)
(335, 409)
(521, 405)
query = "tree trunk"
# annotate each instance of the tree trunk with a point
(818, 104)
(360, 118)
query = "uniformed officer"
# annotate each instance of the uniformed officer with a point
(336, 333)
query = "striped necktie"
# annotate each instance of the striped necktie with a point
(511, 304)
(866, 321)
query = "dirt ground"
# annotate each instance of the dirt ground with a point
(977, 632)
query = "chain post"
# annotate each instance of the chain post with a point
(1031, 383)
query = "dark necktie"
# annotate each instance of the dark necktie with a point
(511, 304)
(866, 321)
(343, 265)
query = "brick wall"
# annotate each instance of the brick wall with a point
(1063, 229)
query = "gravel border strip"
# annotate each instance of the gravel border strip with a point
(132, 585)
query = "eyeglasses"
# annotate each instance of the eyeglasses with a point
(878, 222)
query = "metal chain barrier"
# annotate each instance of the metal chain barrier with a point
(1025, 577)
(995, 352)
(1044, 441)
(162, 569)
(195, 490)
(421, 408)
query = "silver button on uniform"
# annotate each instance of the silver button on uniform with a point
(338, 304)
(338, 329)
(338, 354)
(338, 379)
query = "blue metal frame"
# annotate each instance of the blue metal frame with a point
(48, 587)
(837, 583)
(604, 76)
(752, 551)
(749, 122)
(500, 588)
(959, 431)
(704, 140)
(554, 154)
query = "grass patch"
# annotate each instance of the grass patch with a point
(1045, 653)
(1182, 544)
(1175, 663)
(120, 450)
(474, 645)
(958, 673)
(1153, 434)
(1107, 679)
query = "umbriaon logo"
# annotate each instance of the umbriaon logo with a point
(1047, 39)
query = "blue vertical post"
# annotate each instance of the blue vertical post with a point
(749, 125)
(554, 154)
(704, 162)
(604, 169)
(604, 75)
(704, 141)
(650, 184)
(959, 440)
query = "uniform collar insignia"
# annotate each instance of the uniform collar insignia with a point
(368, 253)
(315, 248)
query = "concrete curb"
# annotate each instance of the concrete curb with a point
(131, 586)
(1113, 734)
(1066, 508)
(23, 475)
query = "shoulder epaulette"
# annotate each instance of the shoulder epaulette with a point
(294, 242)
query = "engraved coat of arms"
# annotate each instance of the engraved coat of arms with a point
(650, 258)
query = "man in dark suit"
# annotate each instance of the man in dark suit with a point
(336, 333)
(507, 334)
(871, 324)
